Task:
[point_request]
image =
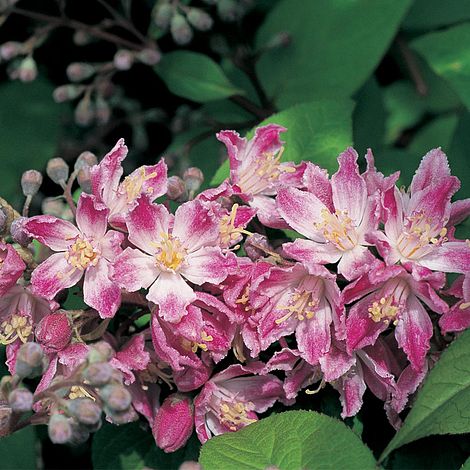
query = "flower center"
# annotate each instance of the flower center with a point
(17, 326)
(170, 253)
(133, 184)
(418, 233)
(338, 228)
(194, 345)
(76, 391)
(387, 308)
(229, 234)
(266, 171)
(300, 304)
(234, 414)
(81, 254)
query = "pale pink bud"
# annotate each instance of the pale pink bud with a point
(123, 59)
(53, 206)
(102, 110)
(84, 112)
(176, 188)
(28, 70)
(60, 429)
(85, 160)
(193, 178)
(10, 50)
(99, 352)
(31, 181)
(199, 19)
(20, 400)
(30, 361)
(18, 232)
(57, 170)
(180, 30)
(163, 15)
(85, 410)
(98, 374)
(78, 71)
(174, 422)
(54, 332)
(67, 92)
(116, 397)
(190, 465)
(149, 56)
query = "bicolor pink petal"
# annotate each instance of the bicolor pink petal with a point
(408, 382)
(11, 267)
(432, 169)
(336, 362)
(106, 175)
(53, 275)
(316, 182)
(456, 319)
(309, 252)
(355, 262)
(149, 180)
(459, 211)
(349, 188)
(208, 264)
(351, 388)
(413, 332)
(91, 216)
(172, 294)
(450, 257)
(99, 291)
(51, 231)
(110, 245)
(147, 224)
(267, 212)
(194, 226)
(133, 270)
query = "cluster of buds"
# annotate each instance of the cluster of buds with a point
(358, 301)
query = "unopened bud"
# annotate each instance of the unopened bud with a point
(173, 424)
(122, 417)
(193, 178)
(54, 332)
(98, 374)
(82, 38)
(163, 15)
(80, 434)
(85, 410)
(31, 181)
(199, 19)
(58, 170)
(149, 56)
(100, 352)
(30, 361)
(10, 50)
(79, 71)
(229, 10)
(27, 70)
(102, 110)
(180, 30)
(84, 113)
(190, 465)
(280, 39)
(116, 397)
(60, 429)
(18, 232)
(176, 189)
(257, 246)
(85, 160)
(67, 92)
(53, 206)
(20, 400)
(123, 59)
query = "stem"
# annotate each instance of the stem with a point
(413, 67)
(251, 107)
(73, 24)
(68, 193)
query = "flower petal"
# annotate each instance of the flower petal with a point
(51, 231)
(207, 264)
(11, 267)
(133, 270)
(92, 216)
(432, 169)
(450, 257)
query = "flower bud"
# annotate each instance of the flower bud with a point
(180, 30)
(30, 361)
(11, 49)
(80, 434)
(163, 15)
(84, 112)
(58, 170)
(82, 38)
(116, 397)
(190, 465)
(176, 189)
(20, 400)
(122, 417)
(98, 374)
(54, 332)
(257, 246)
(18, 232)
(27, 70)
(123, 59)
(102, 110)
(86, 411)
(174, 422)
(149, 56)
(53, 206)
(31, 181)
(60, 429)
(193, 178)
(67, 92)
(85, 160)
(79, 71)
(229, 10)
(199, 19)
(100, 352)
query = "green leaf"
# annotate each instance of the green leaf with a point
(130, 447)
(29, 131)
(18, 450)
(431, 14)
(317, 131)
(466, 465)
(290, 440)
(448, 55)
(195, 76)
(336, 44)
(441, 406)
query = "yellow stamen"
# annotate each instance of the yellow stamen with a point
(338, 228)
(170, 252)
(17, 326)
(81, 254)
(133, 184)
(234, 415)
(384, 310)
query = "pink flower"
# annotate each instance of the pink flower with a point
(303, 301)
(119, 196)
(11, 267)
(87, 251)
(256, 171)
(458, 317)
(172, 250)
(335, 217)
(230, 400)
(417, 221)
(391, 296)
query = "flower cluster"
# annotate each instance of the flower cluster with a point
(280, 278)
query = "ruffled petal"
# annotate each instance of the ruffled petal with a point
(133, 270)
(91, 216)
(51, 231)
(207, 264)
